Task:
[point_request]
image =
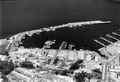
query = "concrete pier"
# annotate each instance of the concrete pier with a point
(115, 33)
(99, 42)
(112, 37)
(106, 40)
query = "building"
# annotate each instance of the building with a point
(114, 70)
(0, 77)
(55, 78)
(2, 57)
(81, 55)
(72, 55)
(88, 57)
(104, 72)
(1, 80)
(21, 74)
(15, 76)
(66, 78)
(93, 80)
(25, 72)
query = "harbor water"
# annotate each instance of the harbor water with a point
(24, 15)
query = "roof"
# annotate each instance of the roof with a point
(18, 75)
(24, 71)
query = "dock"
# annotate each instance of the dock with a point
(106, 40)
(102, 44)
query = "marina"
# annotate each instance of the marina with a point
(60, 41)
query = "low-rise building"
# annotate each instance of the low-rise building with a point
(2, 57)
(66, 78)
(96, 58)
(72, 55)
(88, 57)
(80, 55)
(15, 76)
(55, 78)
(25, 72)
(114, 70)
(20, 74)
(93, 80)
(1, 79)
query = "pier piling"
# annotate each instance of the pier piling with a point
(112, 37)
(99, 42)
(115, 33)
(106, 40)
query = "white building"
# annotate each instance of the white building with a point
(2, 57)
(93, 80)
(1, 79)
(25, 72)
(66, 78)
(96, 58)
(52, 52)
(20, 74)
(114, 70)
(88, 57)
(81, 55)
(63, 54)
(15, 76)
(72, 55)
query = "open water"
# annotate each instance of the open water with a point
(23, 15)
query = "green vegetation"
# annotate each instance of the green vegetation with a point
(6, 67)
(71, 70)
(27, 64)
(80, 77)
(76, 65)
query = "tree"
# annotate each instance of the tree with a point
(80, 77)
(61, 72)
(64, 72)
(5, 79)
(76, 65)
(6, 67)
(97, 70)
(27, 64)
(56, 61)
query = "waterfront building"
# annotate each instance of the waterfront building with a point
(63, 54)
(52, 52)
(81, 55)
(72, 55)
